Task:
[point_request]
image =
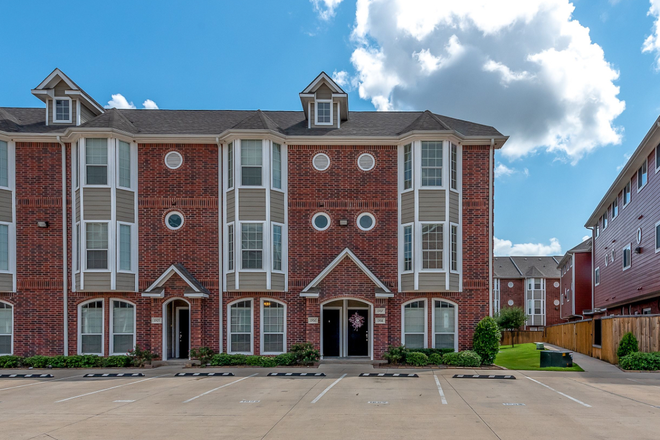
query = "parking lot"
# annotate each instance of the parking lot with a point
(601, 403)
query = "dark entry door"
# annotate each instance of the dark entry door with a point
(331, 327)
(358, 332)
(184, 333)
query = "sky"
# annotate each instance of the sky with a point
(574, 84)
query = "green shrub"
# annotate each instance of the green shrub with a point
(37, 361)
(238, 359)
(395, 354)
(58, 361)
(253, 361)
(141, 356)
(430, 351)
(221, 360)
(627, 345)
(10, 361)
(285, 359)
(641, 361)
(486, 340)
(268, 362)
(84, 361)
(204, 354)
(435, 359)
(305, 353)
(417, 359)
(465, 358)
(119, 361)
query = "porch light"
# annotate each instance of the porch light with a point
(42, 224)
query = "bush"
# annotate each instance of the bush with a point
(10, 361)
(253, 361)
(58, 361)
(37, 361)
(430, 351)
(465, 358)
(84, 361)
(204, 354)
(285, 359)
(238, 359)
(120, 361)
(627, 345)
(141, 356)
(221, 360)
(640, 361)
(486, 340)
(395, 354)
(435, 359)
(417, 359)
(305, 353)
(268, 362)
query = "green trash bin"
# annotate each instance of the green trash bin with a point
(556, 358)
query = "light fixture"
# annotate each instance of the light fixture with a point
(42, 224)
(343, 222)
(266, 303)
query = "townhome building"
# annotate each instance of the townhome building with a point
(575, 286)
(531, 283)
(242, 231)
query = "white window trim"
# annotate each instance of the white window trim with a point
(403, 168)
(444, 184)
(173, 152)
(170, 214)
(543, 300)
(443, 249)
(367, 214)
(265, 258)
(84, 248)
(130, 163)
(455, 321)
(265, 159)
(497, 296)
(112, 333)
(63, 121)
(109, 165)
(597, 276)
(13, 327)
(639, 188)
(231, 164)
(623, 195)
(617, 207)
(282, 164)
(133, 269)
(412, 250)
(316, 112)
(606, 218)
(657, 249)
(458, 249)
(314, 162)
(629, 247)
(657, 156)
(80, 306)
(458, 188)
(426, 319)
(11, 165)
(261, 327)
(229, 332)
(373, 165)
(319, 214)
(647, 309)
(233, 269)
(272, 241)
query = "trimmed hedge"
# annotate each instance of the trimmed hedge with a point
(465, 358)
(417, 359)
(486, 340)
(627, 345)
(435, 359)
(77, 361)
(641, 361)
(284, 359)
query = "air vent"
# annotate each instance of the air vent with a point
(173, 160)
(366, 162)
(321, 162)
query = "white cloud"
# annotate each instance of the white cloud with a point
(586, 237)
(506, 248)
(524, 66)
(118, 101)
(502, 170)
(149, 104)
(326, 8)
(652, 42)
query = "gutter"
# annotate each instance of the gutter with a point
(65, 248)
(221, 263)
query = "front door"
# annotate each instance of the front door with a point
(358, 332)
(331, 332)
(183, 326)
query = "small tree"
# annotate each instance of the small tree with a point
(486, 340)
(627, 345)
(511, 318)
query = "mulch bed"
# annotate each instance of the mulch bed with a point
(437, 367)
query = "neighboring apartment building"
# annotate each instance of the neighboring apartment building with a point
(575, 286)
(528, 282)
(243, 231)
(626, 236)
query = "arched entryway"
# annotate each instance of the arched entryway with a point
(346, 328)
(176, 329)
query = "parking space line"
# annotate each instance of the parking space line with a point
(107, 389)
(328, 389)
(38, 383)
(442, 393)
(222, 386)
(559, 392)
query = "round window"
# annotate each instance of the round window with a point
(556, 284)
(366, 162)
(639, 235)
(173, 160)
(510, 286)
(321, 221)
(321, 162)
(556, 302)
(510, 302)
(366, 221)
(174, 220)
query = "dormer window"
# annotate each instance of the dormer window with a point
(323, 112)
(62, 110)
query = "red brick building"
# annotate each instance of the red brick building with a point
(576, 283)
(243, 231)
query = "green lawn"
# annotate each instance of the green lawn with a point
(525, 357)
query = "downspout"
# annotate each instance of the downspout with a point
(220, 248)
(490, 228)
(593, 253)
(65, 249)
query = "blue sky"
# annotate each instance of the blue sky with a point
(568, 82)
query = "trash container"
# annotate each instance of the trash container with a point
(556, 358)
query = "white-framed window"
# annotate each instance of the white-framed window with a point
(97, 246)
(535, 300)
(366, 162)
(230, 166)
(432, 246)
(277, 166)
(62, 110)
(125, 257)
(453, 247)
(642, 175)
(615, 208)
(323, 112)
(657, 237)
(96, 161)
(277, 247)
(597, 276)
(414, 324)
(453, 162)
(122, 327)
(78, 246)
(612, 256)
(321, 162)
(431, 163)
(626, 195)
(598, 229)
(4, 164)
(273, 327)
(606, 258)
(321, 221)
(407, 167)
(76, 165)
(251, 162)
(496, 295)
(639, 235)
(407, 248)
(605, 216)
(252, 245)
(239, 336)
(174, 220)
(657, 158)
(124, 164)
(366, 221)
(4, 246)
(445, 317)
(646, 311)
(627, 257)
(173, 160)
(6, 328)
(230, 247)
(90, 327)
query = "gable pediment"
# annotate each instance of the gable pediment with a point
(194, 289)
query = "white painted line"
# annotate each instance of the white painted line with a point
(107, 389)
(38, 383)
(378, 402)
(124, 401)
(442, 393)
(222, 386)
(559, 392)
(328, 389)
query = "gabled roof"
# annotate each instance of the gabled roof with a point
(196, 290)
(309, 290)
(426, 121)
(585, 246)
(54, 78)
(323, 78)
(257, 121)
(112, 119)
(525, 267)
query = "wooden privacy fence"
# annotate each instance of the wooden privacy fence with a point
(522, 337)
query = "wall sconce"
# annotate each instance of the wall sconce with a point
(42, 224)
(343, 222)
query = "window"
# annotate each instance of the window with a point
(230, 166)
(76, 166)
(639, 235)
(612, 256)
(626, 195)
(240, 327)
(272, 327)
(597, 276)
(252, 240)
(407, 248)
(615, 208)
(4, 247)
(431, 163)
(366, 221)
(321, 162)
(321, 221)
(605, 220)
(62, 111)
(277, 247)
(414, 324)
(627, 257)
(277, 166)
(657, 158)
(323, 112)
(454, 248)
(454, 167)
(432, 246)
(646, 311)
(91, 328)
(598, 332)
(6, 328)
(230, 247)
(642, 175)
(124, 164)
(496, 295)
(535, 299)
(174, 220)
(78, 243)
(173, 160)
(444, 325)
(97, 245)
(123, 327)
(251, 162)
(4, 164)
(407, 166)
(657, 237)
(125, 247)
(366, 162)
(96, 158)
(598, 230)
